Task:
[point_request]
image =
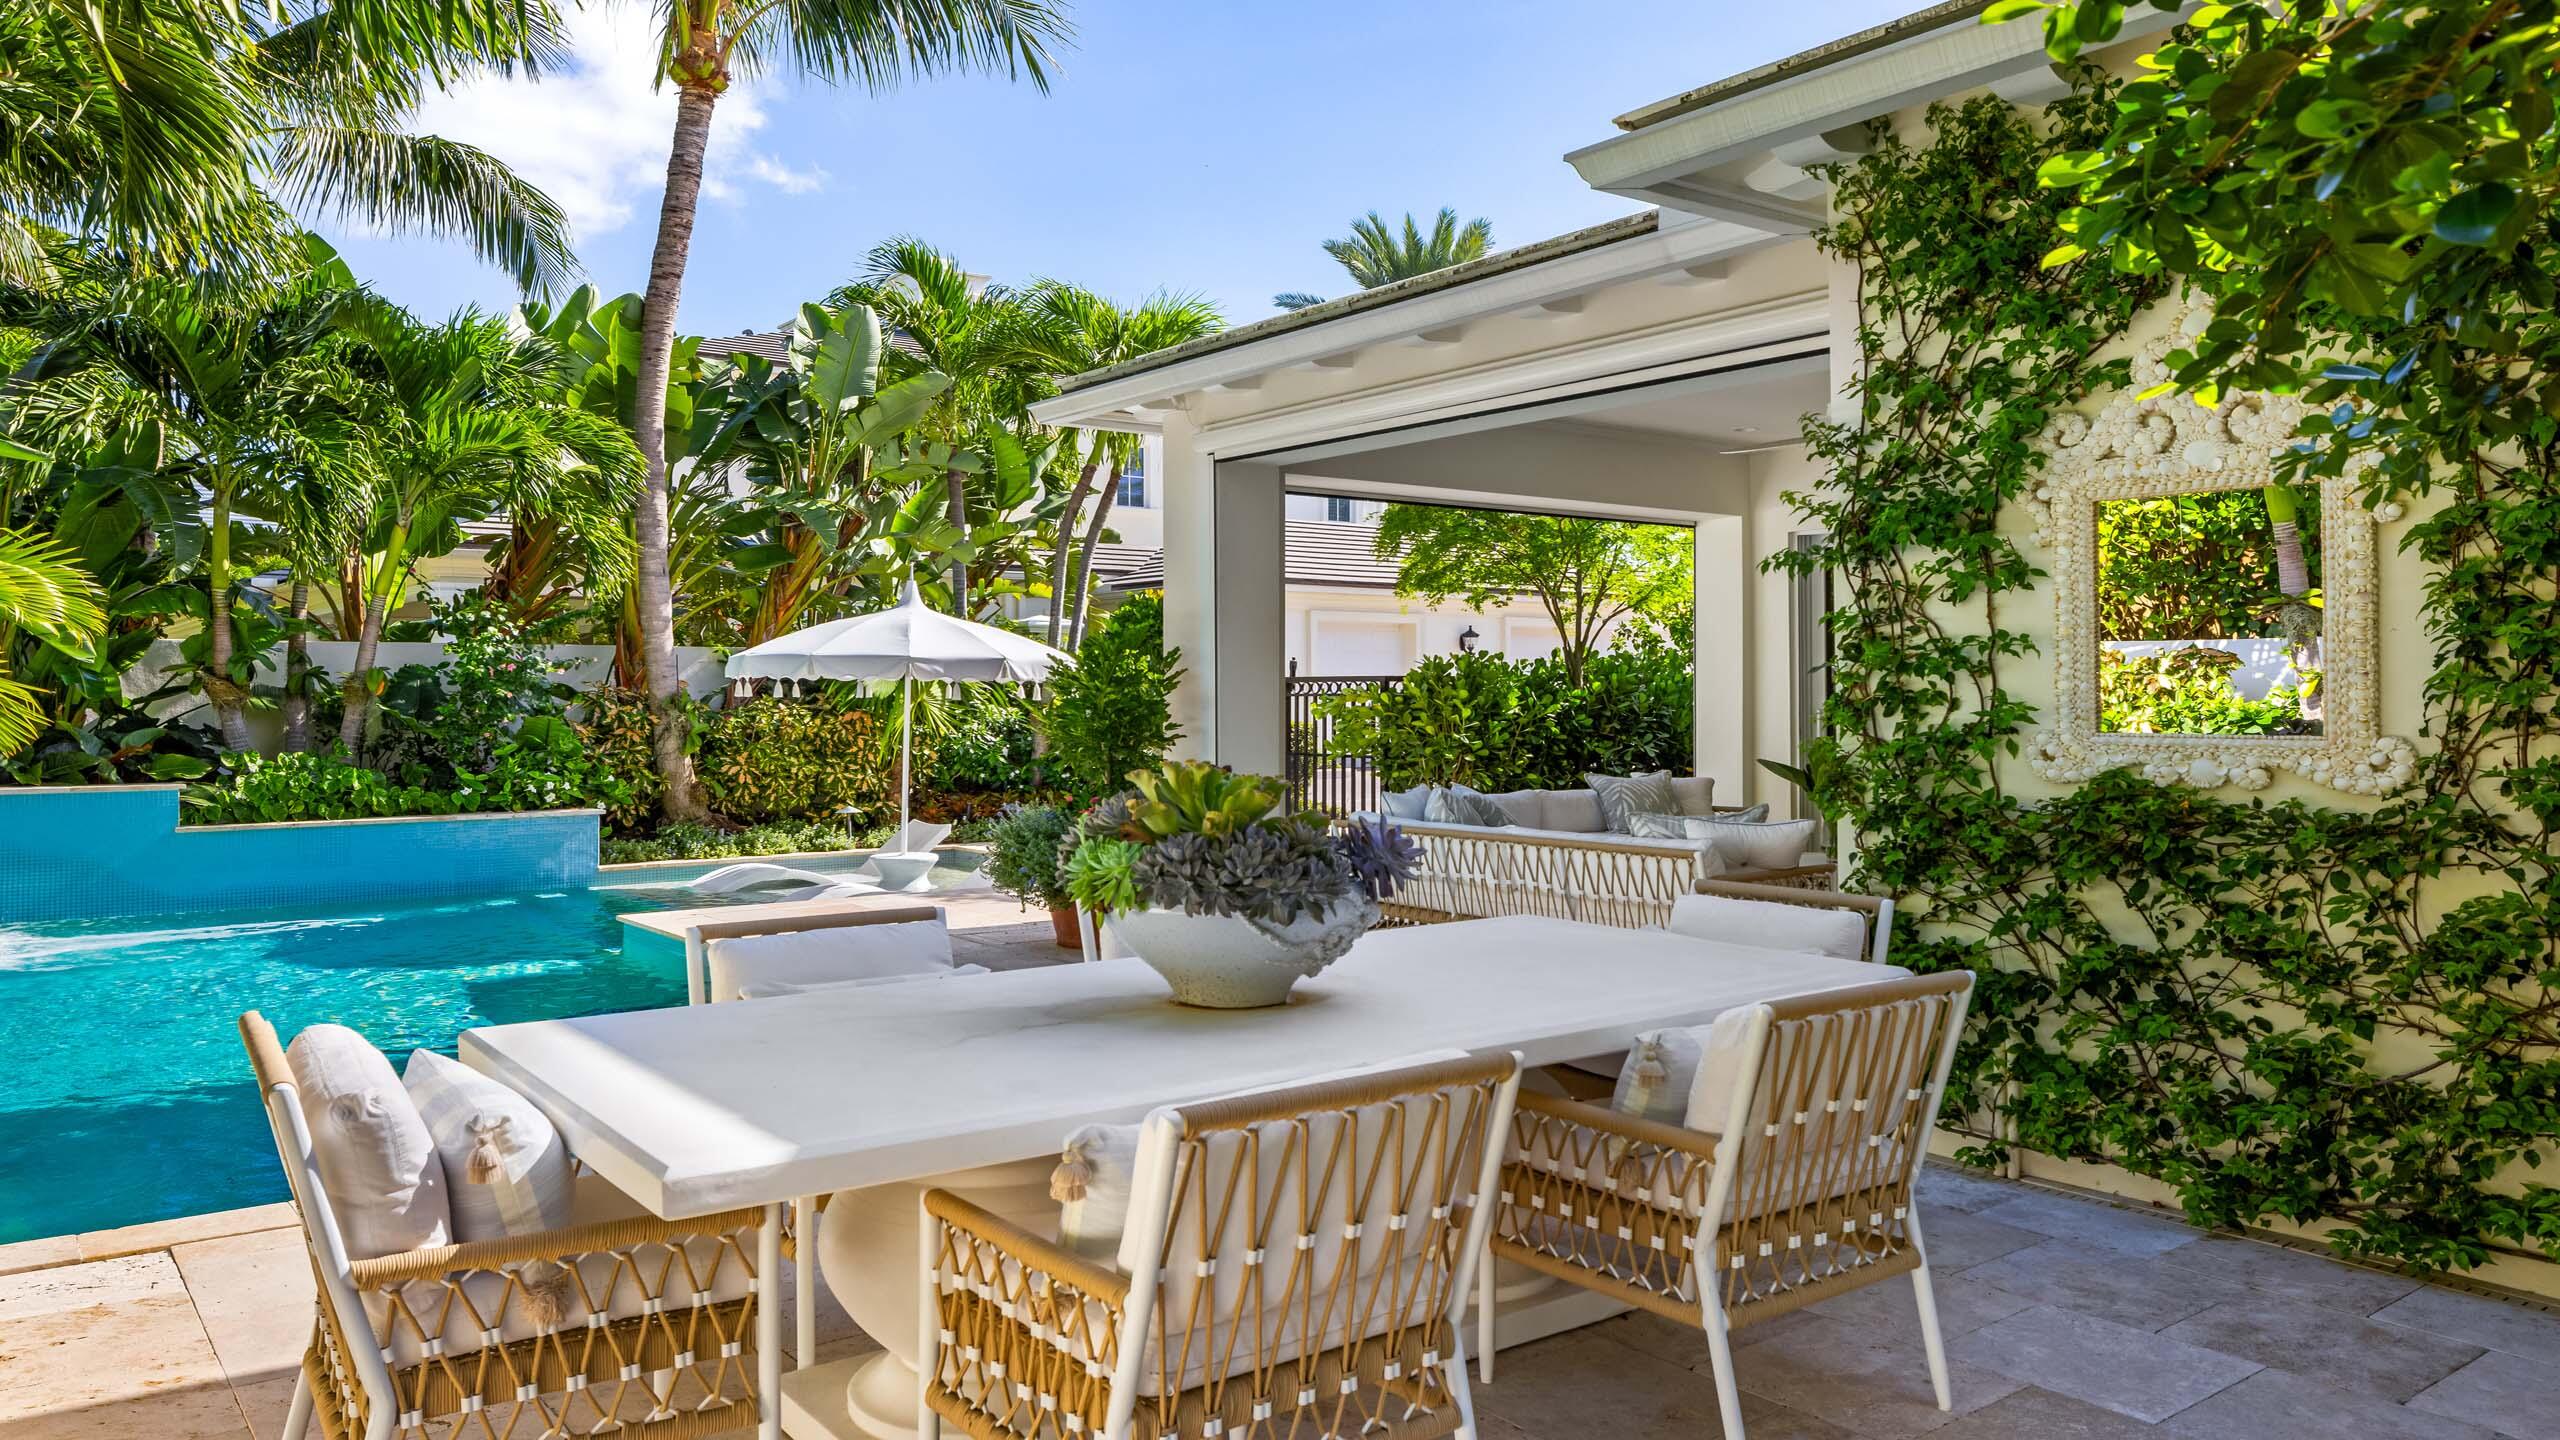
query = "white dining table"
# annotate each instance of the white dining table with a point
(772, 1102)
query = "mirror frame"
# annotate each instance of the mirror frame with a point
(2170, 445)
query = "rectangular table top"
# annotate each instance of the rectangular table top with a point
(753, 1102)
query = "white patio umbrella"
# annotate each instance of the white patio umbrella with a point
(907, 643)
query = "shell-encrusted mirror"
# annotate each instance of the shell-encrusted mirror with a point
(2215, 625)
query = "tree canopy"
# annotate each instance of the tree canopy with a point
(1588, 574)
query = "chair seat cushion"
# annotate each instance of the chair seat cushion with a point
(506, 1169)
(378, 1161)
(1771, 925)
(838, 952)
(423, 1320)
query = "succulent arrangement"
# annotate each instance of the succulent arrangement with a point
(1192, 837)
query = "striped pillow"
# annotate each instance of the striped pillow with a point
(509, 1172)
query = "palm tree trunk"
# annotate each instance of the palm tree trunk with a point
(358, 686)
(657, 354)
(297, 666)
(956, 486)
(228, 716)
(1092, 538)
(1058, 589)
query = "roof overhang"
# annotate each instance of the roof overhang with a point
(1139, 395)
(1743, 150)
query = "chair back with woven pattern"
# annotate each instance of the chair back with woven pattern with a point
(1312, 1250)
(1812, 1186)
(1877, 910)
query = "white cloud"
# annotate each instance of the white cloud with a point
(594, 135)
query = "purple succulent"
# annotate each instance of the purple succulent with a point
(1381, 856)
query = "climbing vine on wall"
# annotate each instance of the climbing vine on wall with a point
(2285, 1010)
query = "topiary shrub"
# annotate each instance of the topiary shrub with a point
(1112, 712)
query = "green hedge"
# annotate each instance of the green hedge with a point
(1496, 724)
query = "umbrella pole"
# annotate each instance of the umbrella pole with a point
(906, 740)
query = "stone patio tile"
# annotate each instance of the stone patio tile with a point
(2065, 1217)
(1583, 1384)
(1959, 1240)
(91, 1336)
(2147, 1294)
(38, 1254)
(2127, 1370)
(1875, 1390)
(2327, 1345)
(196, 1412)
(161, 1234)
(2034, 1414)
(2494, 1324)
(833, 1323)
(1945, 1186)
(264, 1405)
(2273, 1403)
(2279, 1272)
(1889, 1311)
(2508, 1393)
(254, 1294)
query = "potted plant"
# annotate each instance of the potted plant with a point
(1232, 901)
(1025, 855)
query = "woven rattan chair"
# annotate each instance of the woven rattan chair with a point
(1805, 1192)
(1305, 1257)
(1877, 909)
(641, 1328)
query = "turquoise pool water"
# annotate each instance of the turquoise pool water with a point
(124, 1093)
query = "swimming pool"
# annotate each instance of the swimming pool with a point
(124, 1095)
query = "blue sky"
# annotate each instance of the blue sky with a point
(1204, 146)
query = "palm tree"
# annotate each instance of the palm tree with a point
(707, 44)
(44, 593)
(966, 330)
(465, 419)
(1071, 330)
(184, 134)
(1377, 255)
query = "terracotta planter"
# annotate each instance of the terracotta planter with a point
(1063, 922)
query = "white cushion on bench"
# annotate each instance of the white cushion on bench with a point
(839, 952)
(377, 1160)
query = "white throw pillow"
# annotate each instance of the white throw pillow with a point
(377, 1161)
(507, 1171)
(1577, 811)
(843, 952)
(1661, 1077)
(1097, 1174)
(1405, 804)
(767, 989)
(1719, 1076)
(1772, 925)
(1770, 845)
(1696, 794)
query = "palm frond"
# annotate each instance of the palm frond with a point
(404, 184)
(878, 43)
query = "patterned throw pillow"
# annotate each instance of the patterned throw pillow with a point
(1747, 815)
(1624, 797)
(1645, 825)
(1458, 805)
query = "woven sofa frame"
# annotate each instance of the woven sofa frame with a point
(1469, 873)
(685, 1369)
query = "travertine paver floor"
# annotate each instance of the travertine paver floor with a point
(2066, 1319)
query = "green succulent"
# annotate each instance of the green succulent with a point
(1102, 875)
(1194, 797)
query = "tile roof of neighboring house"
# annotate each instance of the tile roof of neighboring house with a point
(1947, 12)
(771, 344)
(1320, 552)
(1503, 262)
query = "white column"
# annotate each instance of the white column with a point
(1189, 553)
(1248, 622)
(1723, 640)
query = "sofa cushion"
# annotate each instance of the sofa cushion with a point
(1574, 812)
(1694, 794)
(1772, 925)
(506, 1170)
(1764, 845)
(1458, 805)
(1623, 797)
(1645, 825)
(1405, 804)
(841, 952)
(377, 1161)
(1527, 808)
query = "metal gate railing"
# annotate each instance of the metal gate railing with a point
(1321, 775)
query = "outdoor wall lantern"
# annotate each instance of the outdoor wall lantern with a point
(1467, 639)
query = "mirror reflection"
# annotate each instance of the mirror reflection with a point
(2209, 613)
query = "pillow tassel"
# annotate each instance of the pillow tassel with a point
(547, 1291)
(1067, 1183)
(487, 1162)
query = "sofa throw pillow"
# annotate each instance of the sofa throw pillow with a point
(1458, 805)
(1405, 804)
(1766, 845)
(1747, 815)
(1771, 925)
(1645, 825)
(378, 1163)
(1623, 797)
(506, 1168)
(1696, 794)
